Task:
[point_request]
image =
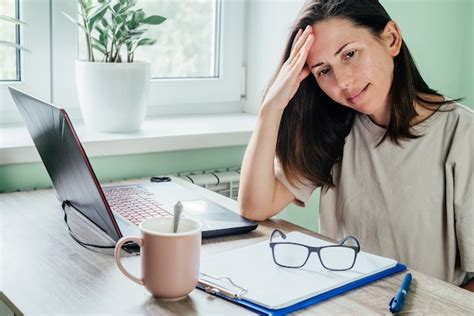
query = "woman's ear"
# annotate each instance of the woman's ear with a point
(392, 38)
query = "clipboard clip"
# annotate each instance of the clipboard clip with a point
(214, 288)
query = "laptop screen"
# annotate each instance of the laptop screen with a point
(65, 160)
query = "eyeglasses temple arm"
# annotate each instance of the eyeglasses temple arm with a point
(342, 242)
(277, 231)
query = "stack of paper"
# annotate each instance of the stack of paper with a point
(275, 287)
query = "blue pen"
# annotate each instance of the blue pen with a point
(396, 304)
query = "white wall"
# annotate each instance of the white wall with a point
(268, 23)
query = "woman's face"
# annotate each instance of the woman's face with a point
(353, 67)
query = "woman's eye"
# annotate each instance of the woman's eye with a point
(324, 72)
(350, 54)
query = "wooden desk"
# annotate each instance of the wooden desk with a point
(42, 270)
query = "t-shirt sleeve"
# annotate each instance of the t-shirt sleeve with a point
(302, 192)
(462, 149)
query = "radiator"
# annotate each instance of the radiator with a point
(222, 181)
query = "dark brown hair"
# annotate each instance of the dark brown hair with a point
(313, 126)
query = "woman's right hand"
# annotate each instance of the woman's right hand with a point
(292, 72)
(261, 195)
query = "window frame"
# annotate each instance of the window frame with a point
(35, 66)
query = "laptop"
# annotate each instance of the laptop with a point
(117, 210)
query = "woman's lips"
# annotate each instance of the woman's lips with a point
(356, 98)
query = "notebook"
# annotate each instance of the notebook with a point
(267, 288)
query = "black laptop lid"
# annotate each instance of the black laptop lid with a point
(65, 160)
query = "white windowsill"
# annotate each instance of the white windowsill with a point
(159, 134)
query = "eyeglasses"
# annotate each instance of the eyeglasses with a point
(340, 257)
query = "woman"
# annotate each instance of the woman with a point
(348, 111)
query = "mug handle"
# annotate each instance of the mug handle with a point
(118, 247)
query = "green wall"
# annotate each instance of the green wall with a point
(439, 34)
(34, 176)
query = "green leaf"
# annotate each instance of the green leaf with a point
(74, 21)
(11, 20)
(133, 22)
(98, 42)
(100, 29)
(137, 32)
(15, 45)
(139, 16)
(97, 9)
(127, 4)
(83, 4)
(97, 16)
(119, 19)
(100, 48)
(103, 37)
(125, 8)
(131, 25)
(154, 20)
(146, 41)
(117, 7)
(104, 40)
(125, 27)
(90, 7)
(118, 35)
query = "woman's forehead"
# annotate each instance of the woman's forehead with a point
(330, 35)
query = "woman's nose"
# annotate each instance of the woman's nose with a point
(343, 78)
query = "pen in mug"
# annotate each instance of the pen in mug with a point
(396, 304)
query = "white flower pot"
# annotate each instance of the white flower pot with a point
(113, 96)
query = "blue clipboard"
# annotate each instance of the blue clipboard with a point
(313, 300)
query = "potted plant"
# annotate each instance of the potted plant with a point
(112, 86)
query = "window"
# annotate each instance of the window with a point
(9, 56)
(194, 55)
(28, 71)
(179, 53)
(196, 62)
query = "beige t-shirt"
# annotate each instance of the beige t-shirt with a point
(413, 203)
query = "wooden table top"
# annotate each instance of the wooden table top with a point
(43, 271)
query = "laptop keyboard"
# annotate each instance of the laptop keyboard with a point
(135, 203)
